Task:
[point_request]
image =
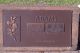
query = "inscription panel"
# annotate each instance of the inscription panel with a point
(39, 28)
(35, 27)
(55, 27)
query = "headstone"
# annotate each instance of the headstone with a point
(42, 29)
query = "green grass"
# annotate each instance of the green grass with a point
(47, 2)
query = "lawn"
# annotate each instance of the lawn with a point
(47, 2)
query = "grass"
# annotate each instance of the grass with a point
(47, 2)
